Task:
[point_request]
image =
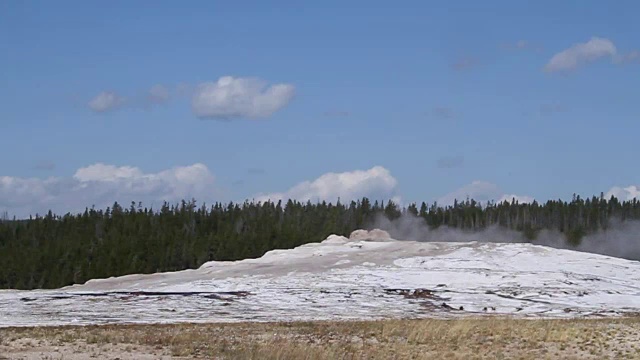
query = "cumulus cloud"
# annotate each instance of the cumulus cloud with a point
(481, 191)
(106, 101)
(375, 183)
(624, 194)
(231, 97)
(100, 185)
(583, 53)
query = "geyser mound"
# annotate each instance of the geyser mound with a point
(367, 275)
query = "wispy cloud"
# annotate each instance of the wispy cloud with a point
(106, 101)
(225, 99)
(158, 94)
(632, 57)
(581, 54)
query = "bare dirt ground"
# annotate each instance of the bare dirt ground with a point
(486, 338)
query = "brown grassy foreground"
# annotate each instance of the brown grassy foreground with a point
(492, 338)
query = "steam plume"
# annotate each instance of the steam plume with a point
(620, 239)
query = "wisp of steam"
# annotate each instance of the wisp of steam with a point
(621, 238)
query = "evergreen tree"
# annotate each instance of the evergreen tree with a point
(51, 251)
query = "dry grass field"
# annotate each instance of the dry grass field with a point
(485, 338)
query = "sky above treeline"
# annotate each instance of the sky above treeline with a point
(229, 101)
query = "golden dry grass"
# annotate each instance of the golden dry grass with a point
(485, 338)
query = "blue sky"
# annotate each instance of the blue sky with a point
(537, 100)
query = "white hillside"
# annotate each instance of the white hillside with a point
(368, 275)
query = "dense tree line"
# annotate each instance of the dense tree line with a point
(52, 251)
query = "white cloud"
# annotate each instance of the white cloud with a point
(231, 97)
(102, 172)
(226, 98)
(110, 101)
(376, 183)
(101, 185)
(106, 101)
(481, 191)
(624, 194)
(582, 53)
